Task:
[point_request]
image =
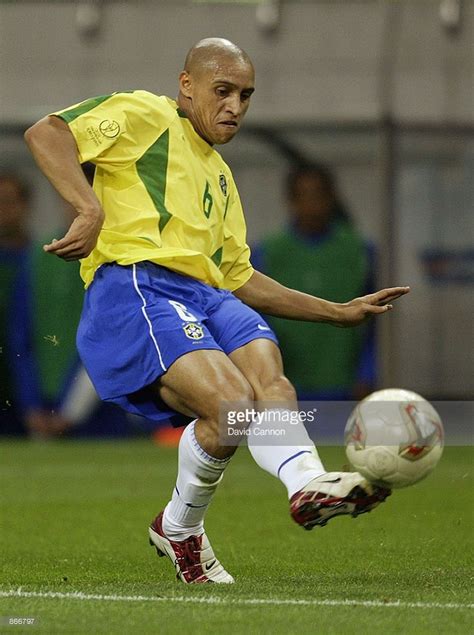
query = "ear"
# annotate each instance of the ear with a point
(185, 84)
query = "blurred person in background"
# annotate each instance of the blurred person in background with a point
(54, 393)
(14, 238)
(320, 252)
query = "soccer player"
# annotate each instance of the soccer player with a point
(169, 324)
(322, 241)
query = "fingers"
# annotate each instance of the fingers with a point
(74, 255)
(67, 252)
(396, 294)
(387, 295)
(67, 248)
(79, 241)
(384, 294)
(56, 246)
(50, 246)
(375, 309)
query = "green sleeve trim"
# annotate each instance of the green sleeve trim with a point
(217, 257)
(81, 109)
(152, 168)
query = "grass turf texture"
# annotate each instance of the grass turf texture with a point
(74, 519)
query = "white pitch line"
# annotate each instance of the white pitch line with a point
(78, 595)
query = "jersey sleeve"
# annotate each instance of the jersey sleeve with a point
(113, 130)
(235, 265)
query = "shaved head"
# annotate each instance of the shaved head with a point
(211, 51)
(215, 87)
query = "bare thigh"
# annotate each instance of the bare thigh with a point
(196, 384)
(261, 364)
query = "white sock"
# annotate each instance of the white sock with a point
(198, 477)
(295, 465)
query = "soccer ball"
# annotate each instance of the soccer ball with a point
(394, 437)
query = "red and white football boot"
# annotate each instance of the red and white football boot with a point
(193, 558)
(334, 494)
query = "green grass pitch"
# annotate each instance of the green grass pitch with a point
(74, 524)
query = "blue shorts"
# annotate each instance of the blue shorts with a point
(138, 319)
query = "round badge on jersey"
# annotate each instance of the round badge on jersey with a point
(109, 128)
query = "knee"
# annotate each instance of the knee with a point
(233, 389)
(236, 388)
(277, 387)
(227, 395)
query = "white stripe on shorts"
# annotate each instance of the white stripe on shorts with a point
(150, 327)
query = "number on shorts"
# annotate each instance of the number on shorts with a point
(182, 311)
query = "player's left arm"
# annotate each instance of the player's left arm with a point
(268, 296)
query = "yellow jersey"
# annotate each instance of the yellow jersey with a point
(167, 195)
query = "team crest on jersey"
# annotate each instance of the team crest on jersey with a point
(109, 128)
(193, 331)
(223, 183)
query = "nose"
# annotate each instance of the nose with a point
(234, 105)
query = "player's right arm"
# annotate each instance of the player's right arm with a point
(55, 151)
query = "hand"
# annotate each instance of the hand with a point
(80, 239)
(361, 309)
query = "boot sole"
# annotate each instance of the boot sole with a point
(317, 513)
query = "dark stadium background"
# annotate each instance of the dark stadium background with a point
(381, 91)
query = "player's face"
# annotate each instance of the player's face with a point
(218, 98)
(312, 203)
